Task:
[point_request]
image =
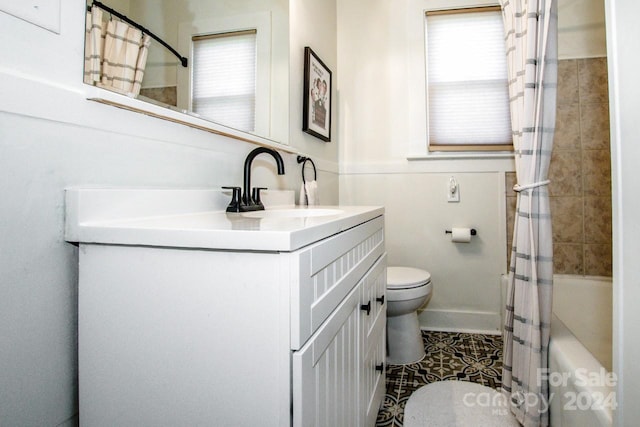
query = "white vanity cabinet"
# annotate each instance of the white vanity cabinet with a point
(180, 335)
(339, 373)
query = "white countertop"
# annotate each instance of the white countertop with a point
(181, 218)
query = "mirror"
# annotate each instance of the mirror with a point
(237, 52)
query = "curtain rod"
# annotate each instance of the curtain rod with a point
(106, 8)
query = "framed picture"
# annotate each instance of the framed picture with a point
(316, 111)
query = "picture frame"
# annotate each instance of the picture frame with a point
(317, 98)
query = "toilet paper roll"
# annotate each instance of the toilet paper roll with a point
(461, 235)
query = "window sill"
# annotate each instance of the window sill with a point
(487, 155)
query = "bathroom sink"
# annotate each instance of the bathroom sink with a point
(196, 218)
(292, 213)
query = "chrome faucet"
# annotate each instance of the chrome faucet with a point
(250, 201)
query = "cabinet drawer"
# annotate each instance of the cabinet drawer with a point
(327, 271)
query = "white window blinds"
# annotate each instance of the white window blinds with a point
(468, 99)
(224, 78)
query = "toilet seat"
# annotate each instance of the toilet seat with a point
(406, 278)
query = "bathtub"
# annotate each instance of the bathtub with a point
(581, 385)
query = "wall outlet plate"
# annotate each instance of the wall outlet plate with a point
(453, 191)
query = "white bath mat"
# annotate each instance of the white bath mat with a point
(457, 404)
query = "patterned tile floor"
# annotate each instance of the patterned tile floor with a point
(450, 356)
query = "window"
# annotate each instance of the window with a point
(467, 89)
(224, 78)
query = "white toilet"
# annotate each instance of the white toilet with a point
(407, 290)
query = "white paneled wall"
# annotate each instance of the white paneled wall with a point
(466, 276)
(52, 137)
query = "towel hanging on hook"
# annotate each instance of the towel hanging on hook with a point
(309, 189)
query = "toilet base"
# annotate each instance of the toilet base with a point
(404, 339)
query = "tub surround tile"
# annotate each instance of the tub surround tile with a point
(567, 134)
(580, 171)
(594, 122)
(596, 166)
(167, 95)
(597, 220)
(511, 204)
(568, 92)
(510, 180)
(598, 260)
(568, 258)
(511, 215)
(592, 80)
(565, 173)
(567, 219)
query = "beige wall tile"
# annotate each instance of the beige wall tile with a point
(511, 217)
(596, 170)
(598, 260)
(594, 123)
(568, 82)
(565, 173)
(511, 180)
(568, 258)
(567, 219)
(597, 220)
(567, 134)
(580, 172)
(167, 95)
(592, 80)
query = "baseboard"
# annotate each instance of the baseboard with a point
(460, 321)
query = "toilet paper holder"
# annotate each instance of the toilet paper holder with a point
(473, 232)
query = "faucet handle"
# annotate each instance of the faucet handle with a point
(234, 206)
(255, 195)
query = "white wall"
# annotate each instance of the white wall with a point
(383, 121)
(383, 132)
(313, 24)
(623, 33)
(465, 276)
(50, 138)
(581, 29)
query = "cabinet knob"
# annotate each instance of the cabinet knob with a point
(380, 367)
(380, 300)
(366, 307)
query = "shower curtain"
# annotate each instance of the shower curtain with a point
(531, 38)
(115, 54)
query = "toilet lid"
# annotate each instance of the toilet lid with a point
(406, 277)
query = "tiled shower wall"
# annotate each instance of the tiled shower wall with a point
(580, 172)
(167, 95)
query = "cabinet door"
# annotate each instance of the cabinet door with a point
(374, 297)
(373, 344)
(325, 371)
(335, 380)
